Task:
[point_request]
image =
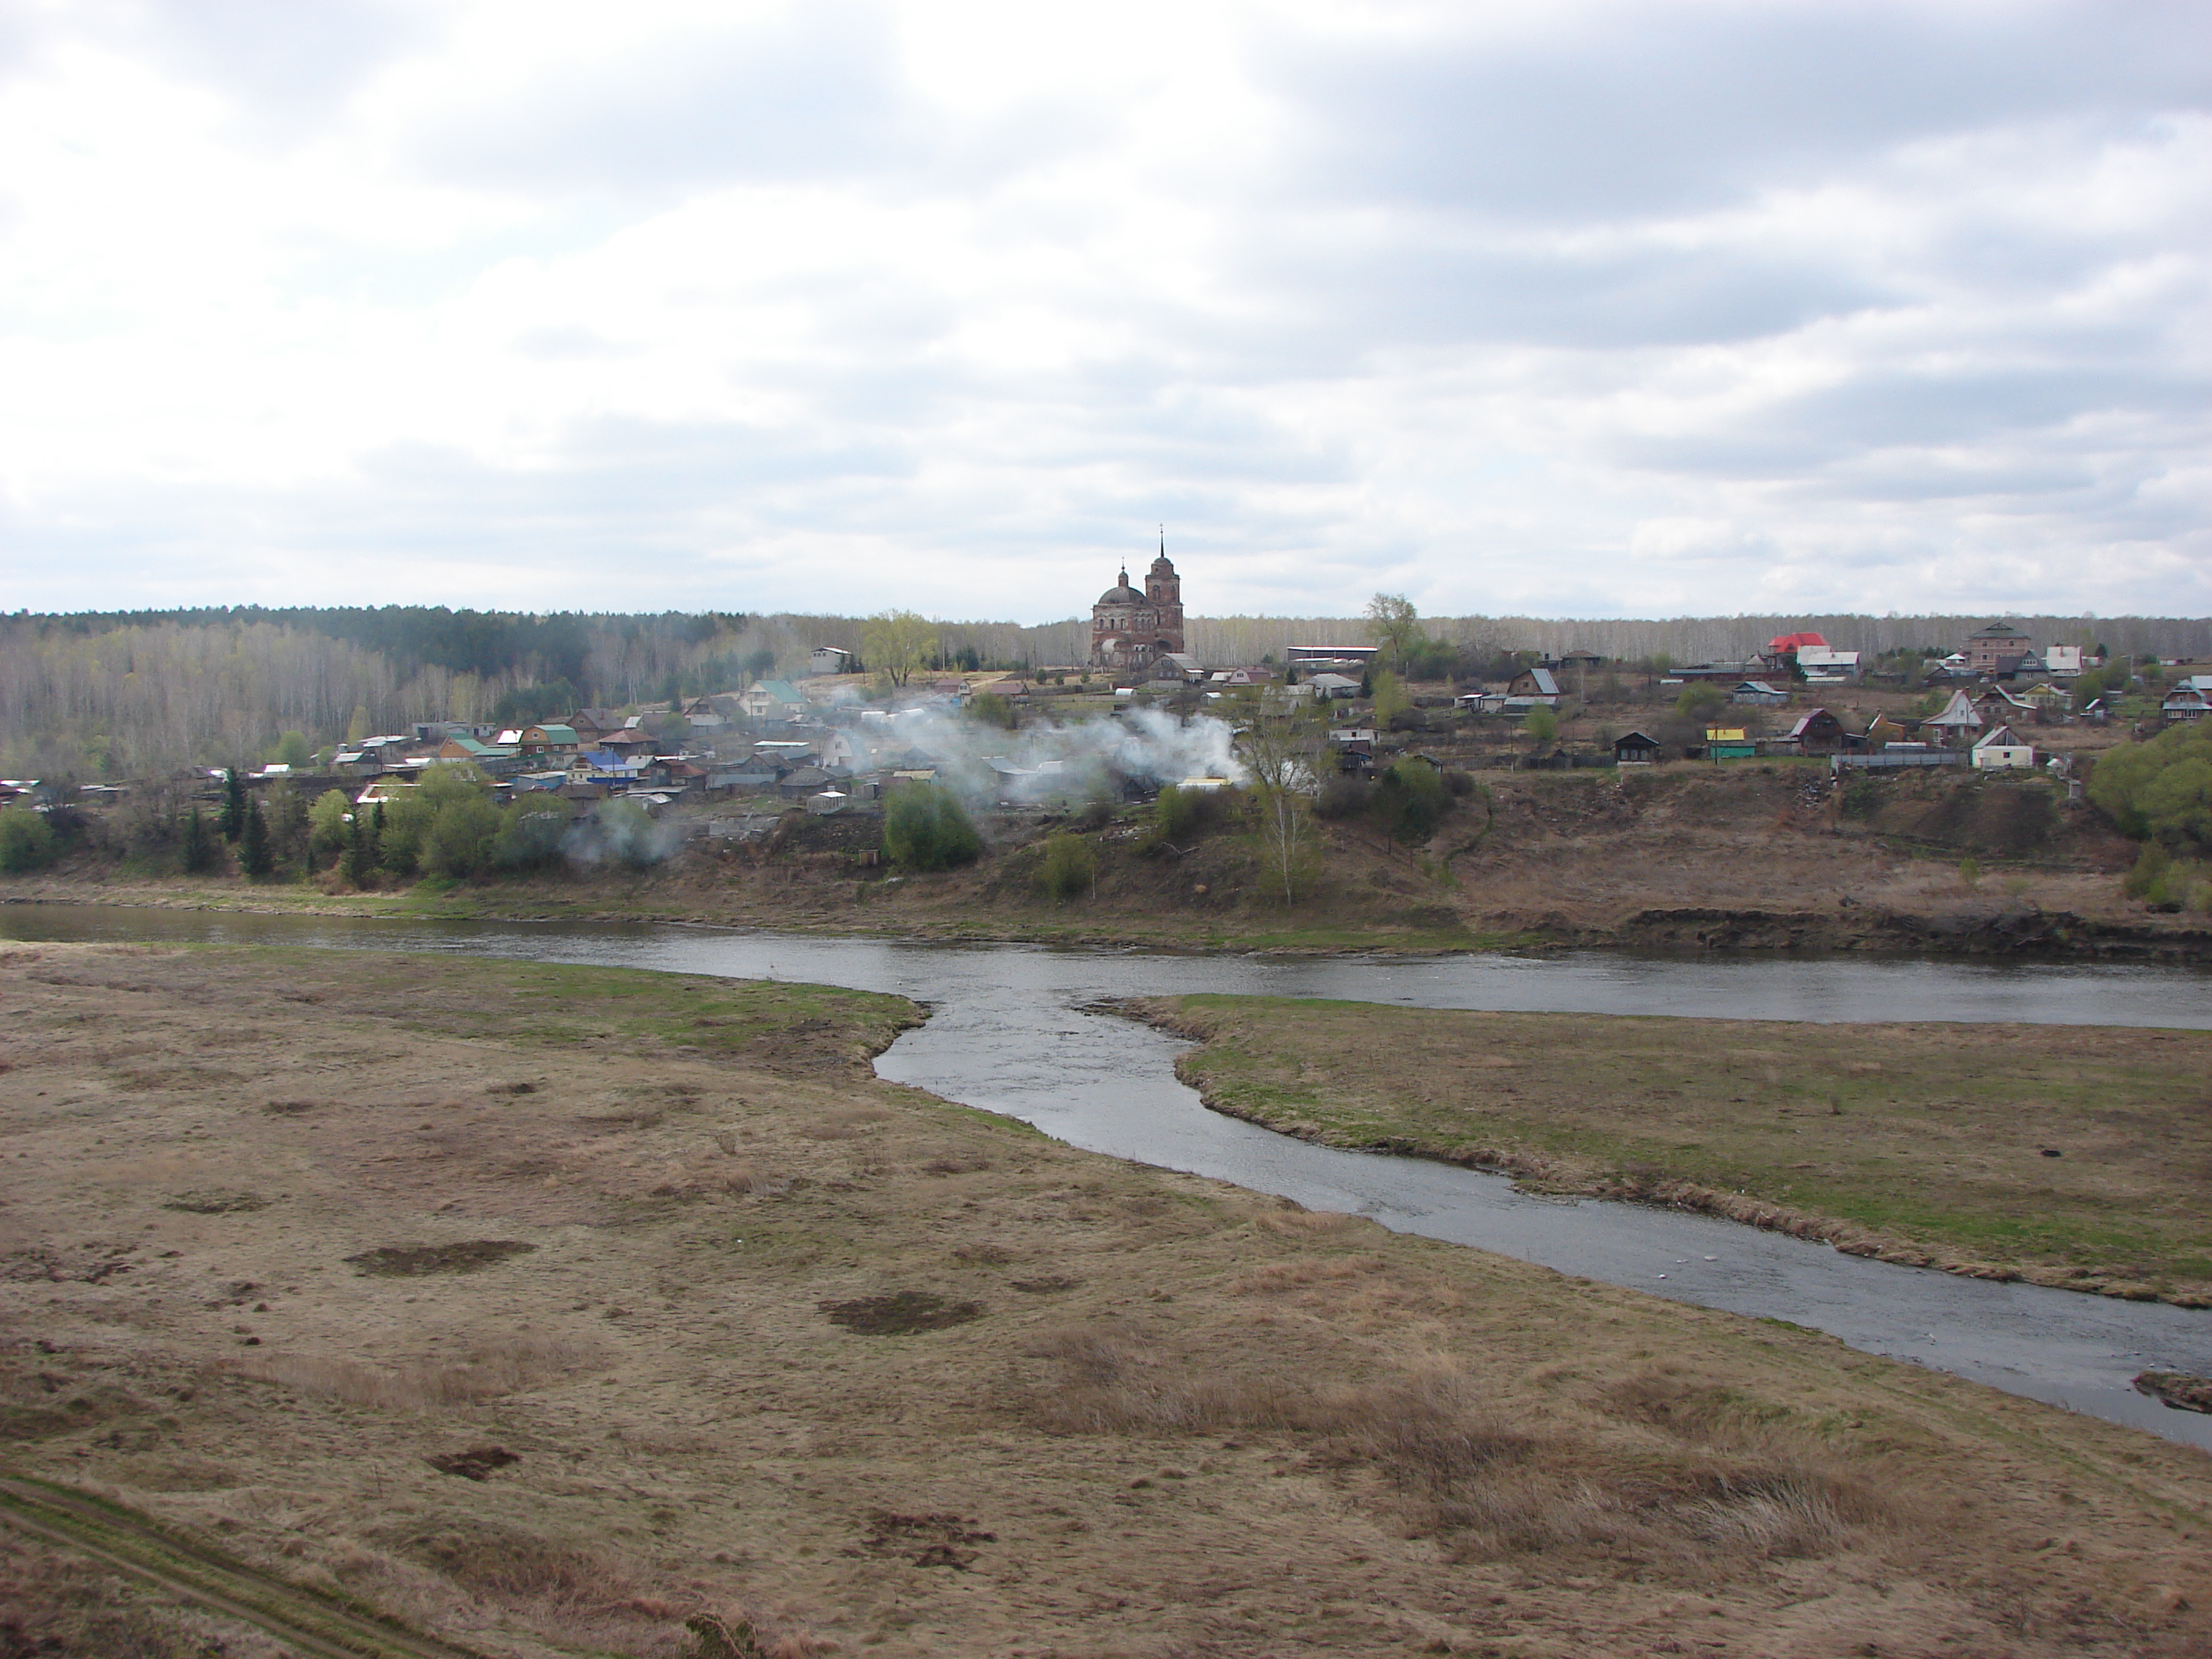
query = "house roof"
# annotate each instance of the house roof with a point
(1959, 711)
(554, 733)
(1545, 685)
(2000, 737)
(778, 690)
(1998, 630)
(1636, 740)
(1805, 721)
(1759, 687)
(1782, 642)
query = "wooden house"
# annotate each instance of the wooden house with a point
(1817, 733)
(1634, 748)
(590, 725)
(540, 744)
(1957, 724)
(1758, 694)
(1535, 685)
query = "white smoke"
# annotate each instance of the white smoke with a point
(1083, 760)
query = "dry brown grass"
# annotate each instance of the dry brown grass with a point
(1465, 1472)
(491, 1370)
(1181, 1421)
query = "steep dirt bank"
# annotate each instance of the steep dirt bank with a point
(1750, 858)
(546, 1309)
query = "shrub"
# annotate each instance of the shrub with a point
(628, 833)
(1409, 800)
(1969, 871)
(531, 832)
(1180, 813)
(329, 823)
(1541, 724)
(1177, 811)
(2151, 877)
(1069, 866)
(989, 708)
(407, 822)
(1344, 798)
(461, 837)
(926, 827)
(26, 841)
(1702, 699)
(201, 847)
(2161, 789)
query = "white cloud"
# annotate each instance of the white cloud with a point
(1690, 308)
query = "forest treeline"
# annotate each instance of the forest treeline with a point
(130, 693)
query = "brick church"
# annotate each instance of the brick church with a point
(1134, 631)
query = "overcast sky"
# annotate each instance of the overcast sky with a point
(1571, 309)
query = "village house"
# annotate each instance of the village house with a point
(1823, 665)
(1817, 733)
(1884, 730)
(1956, 724)
(1730, 742)
(767, 700)
(846, 751)
(540, 744)
(1326, 656)
(1634, 748)
(2183, 702)
(1996, 649)
(1532, 686)
(1758, 694)
(828, 660)
(590, 725)
(1998, 749)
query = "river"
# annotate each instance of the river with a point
(1007, 1033)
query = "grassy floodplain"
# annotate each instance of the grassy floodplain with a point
(2070, 1155)
(541, 1311)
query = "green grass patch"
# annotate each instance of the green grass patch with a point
(1938, 1136)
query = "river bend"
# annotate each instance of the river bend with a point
(1008, 1034)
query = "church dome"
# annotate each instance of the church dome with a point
(1124, 595)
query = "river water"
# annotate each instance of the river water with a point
(1008, 1033)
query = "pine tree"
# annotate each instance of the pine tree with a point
(255, 856)
(233, 805)
(198, 851)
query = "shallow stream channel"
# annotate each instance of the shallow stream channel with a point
(1009, 1033)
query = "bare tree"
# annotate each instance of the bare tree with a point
(1279, 747)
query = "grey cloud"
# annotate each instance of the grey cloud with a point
(1665, 109)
